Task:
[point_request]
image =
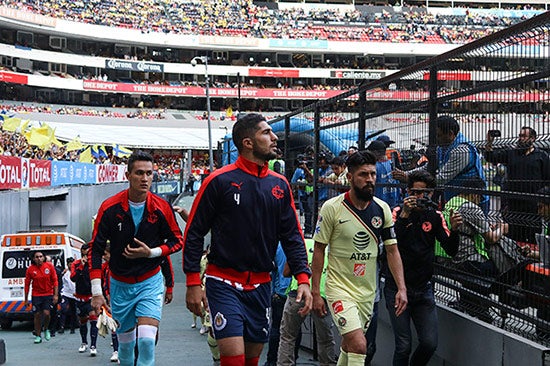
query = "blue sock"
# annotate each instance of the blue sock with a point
(146, 352)
(126, 345)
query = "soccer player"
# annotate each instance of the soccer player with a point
(351, 225)
(248, 209)
(142, 230)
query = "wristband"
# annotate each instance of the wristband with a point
(96, 287)
(155, 252)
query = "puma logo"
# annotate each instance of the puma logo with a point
(238, 185)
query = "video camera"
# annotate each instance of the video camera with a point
(426, 203)
(303, 159)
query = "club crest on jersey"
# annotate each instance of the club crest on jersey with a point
(342, 322)
(219, 321)
(277, 192)
(152, 218)
(427, 226)
(376, 222)
(47, 271)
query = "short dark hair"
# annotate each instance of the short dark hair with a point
(360, 158)
(532, 131)
(421, 176)
(246, 127)
(447, 124)
(138, 155)
(338, 160)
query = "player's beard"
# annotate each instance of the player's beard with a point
(523, 146)
(265, 156)
(364, 194)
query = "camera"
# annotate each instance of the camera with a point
(494, 133)
(302, 159)
(426, 203)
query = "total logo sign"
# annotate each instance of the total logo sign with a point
(35, 173)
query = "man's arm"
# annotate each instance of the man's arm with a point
(449, 239)
(396, 268)
(458, 160)
(317, 265)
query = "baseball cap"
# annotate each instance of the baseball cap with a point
(385, 139)
(377, 146)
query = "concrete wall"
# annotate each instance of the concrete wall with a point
(463, 340)
(65, 209)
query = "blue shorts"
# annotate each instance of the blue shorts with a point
(236, 313)
(132, 300)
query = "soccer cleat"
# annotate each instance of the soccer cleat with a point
(203, 330)
(194, 325)
(47, 335)
(114, 357)
(37, 339)
(93, 351)
(83, 347)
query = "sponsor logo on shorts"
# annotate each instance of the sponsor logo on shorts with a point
(427, 226)
(376, 222)
(342, 322)
(337, 307)
(359, 269)
(219, 321)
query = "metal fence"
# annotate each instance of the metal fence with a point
(500, 84)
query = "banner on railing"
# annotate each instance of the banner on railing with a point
(16, 173)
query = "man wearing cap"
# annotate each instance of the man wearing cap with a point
(392, 154)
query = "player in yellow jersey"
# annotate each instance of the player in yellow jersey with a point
(351, 225)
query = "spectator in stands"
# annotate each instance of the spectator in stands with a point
(457, 159)
(528, 170)
(303, 176)
(476, 234)
(337, 180)
(384, 167)
(417, 226)
(392, 154)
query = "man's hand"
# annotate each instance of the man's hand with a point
(98, 302)
(400, 175)
(27, 303)
(55, 299)
(168, 297)
(319, 307)
(184, 214)
(141, 251)
(304, 294)
(400, 302)
(456, 220)
(195, 299)
(409, 204)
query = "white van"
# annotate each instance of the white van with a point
(15, 252)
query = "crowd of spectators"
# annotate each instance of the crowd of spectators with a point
(244, 18)
(80, 111)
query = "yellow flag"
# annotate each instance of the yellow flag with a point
(55, 141)
(40, 136)
(24, 126)
(74, 144)
(86, 156)
(11, 124)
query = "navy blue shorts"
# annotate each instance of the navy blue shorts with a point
(83, 308)
(236, 313)
(41, 303)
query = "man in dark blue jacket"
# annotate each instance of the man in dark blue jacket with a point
(248, 209)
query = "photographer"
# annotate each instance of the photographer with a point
(417, 226)
(303, 178)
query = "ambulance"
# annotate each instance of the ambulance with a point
(15, 250)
